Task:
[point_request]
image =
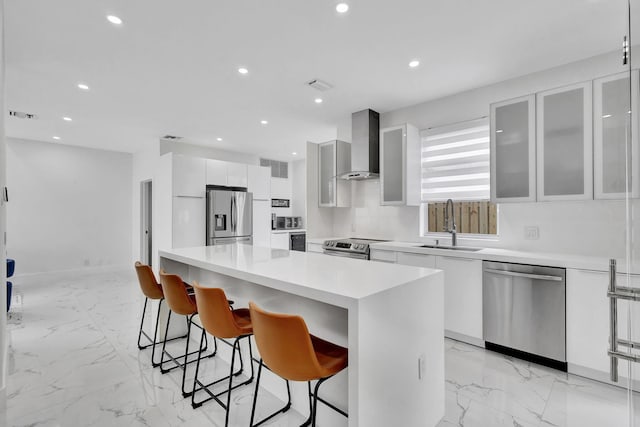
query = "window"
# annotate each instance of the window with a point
(455, 165)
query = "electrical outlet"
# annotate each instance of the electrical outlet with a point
(531, 232)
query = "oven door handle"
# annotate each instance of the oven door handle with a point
(345, 254)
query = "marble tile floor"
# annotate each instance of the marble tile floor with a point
(73, 361)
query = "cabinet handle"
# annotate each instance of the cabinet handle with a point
(526, 275)
(455, 258)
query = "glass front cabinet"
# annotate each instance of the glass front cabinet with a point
(564, 143)
(513, 150)
(611, 139)
(334, 159)
(400, 165)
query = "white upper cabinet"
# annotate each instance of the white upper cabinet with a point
(216, 172)
(564, 143)
(188, 176)
(237, 174)
(227, 174)
(400, 165)
(259, 182)
(615, 162)
(334, 159)
(513, 150)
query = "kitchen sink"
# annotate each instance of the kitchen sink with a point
(453, 248)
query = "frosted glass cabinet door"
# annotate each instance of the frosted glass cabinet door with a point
(564, 144)
(327, 172)
(392, 167)
(513, 155)
(615, 162)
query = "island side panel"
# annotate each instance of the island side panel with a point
(395, 329)
(324, 320)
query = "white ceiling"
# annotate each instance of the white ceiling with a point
(171, 68)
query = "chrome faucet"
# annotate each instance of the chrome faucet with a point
(450, 227)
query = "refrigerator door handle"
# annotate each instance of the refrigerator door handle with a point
(233, 214)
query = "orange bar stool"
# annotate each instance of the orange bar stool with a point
(180, 302)
(151, 290)
(224, 323)
(290, 351)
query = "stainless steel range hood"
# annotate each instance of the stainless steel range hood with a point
(365, 143)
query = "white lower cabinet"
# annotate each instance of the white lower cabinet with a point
(462, 298)
(314, 247)
(383, 256)
(588, 322)
(417, 260)
(280, 240)
(189, 215)
(261, 223)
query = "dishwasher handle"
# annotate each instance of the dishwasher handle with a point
(526, 275)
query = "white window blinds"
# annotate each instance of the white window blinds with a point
(455, 162)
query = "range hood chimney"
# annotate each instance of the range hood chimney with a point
(365, 145)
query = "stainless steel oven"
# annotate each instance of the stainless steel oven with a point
(349, 248)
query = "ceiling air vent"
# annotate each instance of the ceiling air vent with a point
(22, 115)
(319, 85)
(171, 137)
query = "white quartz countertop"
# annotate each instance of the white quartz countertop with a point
(334, 280)
(579, 262)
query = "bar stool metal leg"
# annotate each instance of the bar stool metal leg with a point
(215, 396)
(282, 410)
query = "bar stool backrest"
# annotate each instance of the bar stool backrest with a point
(148, 283)
(176, 295)
(215, 314)
(285, 345)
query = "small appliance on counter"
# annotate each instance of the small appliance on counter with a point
(280, 203)
(288, 222)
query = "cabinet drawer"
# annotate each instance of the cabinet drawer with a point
(386, 256)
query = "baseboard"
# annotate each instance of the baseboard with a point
(464, 338)
(83, 270)
(601, 376)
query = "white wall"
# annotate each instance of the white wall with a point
(70, 206)
(588, 227)
(143, 168)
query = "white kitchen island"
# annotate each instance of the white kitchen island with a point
(389, 316)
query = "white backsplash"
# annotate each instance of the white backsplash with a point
(594, 227)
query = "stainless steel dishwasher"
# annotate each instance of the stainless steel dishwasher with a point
(524, 312)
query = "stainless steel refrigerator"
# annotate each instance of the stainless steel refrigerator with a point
(229, 216)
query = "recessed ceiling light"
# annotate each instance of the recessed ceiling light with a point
(83, 86)
(67, 119)
(264, 122)
(414, 63)
(294, 154)
(56, 138)
(219, 139)
(243, 70)
(114, 19)
(318, 100)
(342, 7)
